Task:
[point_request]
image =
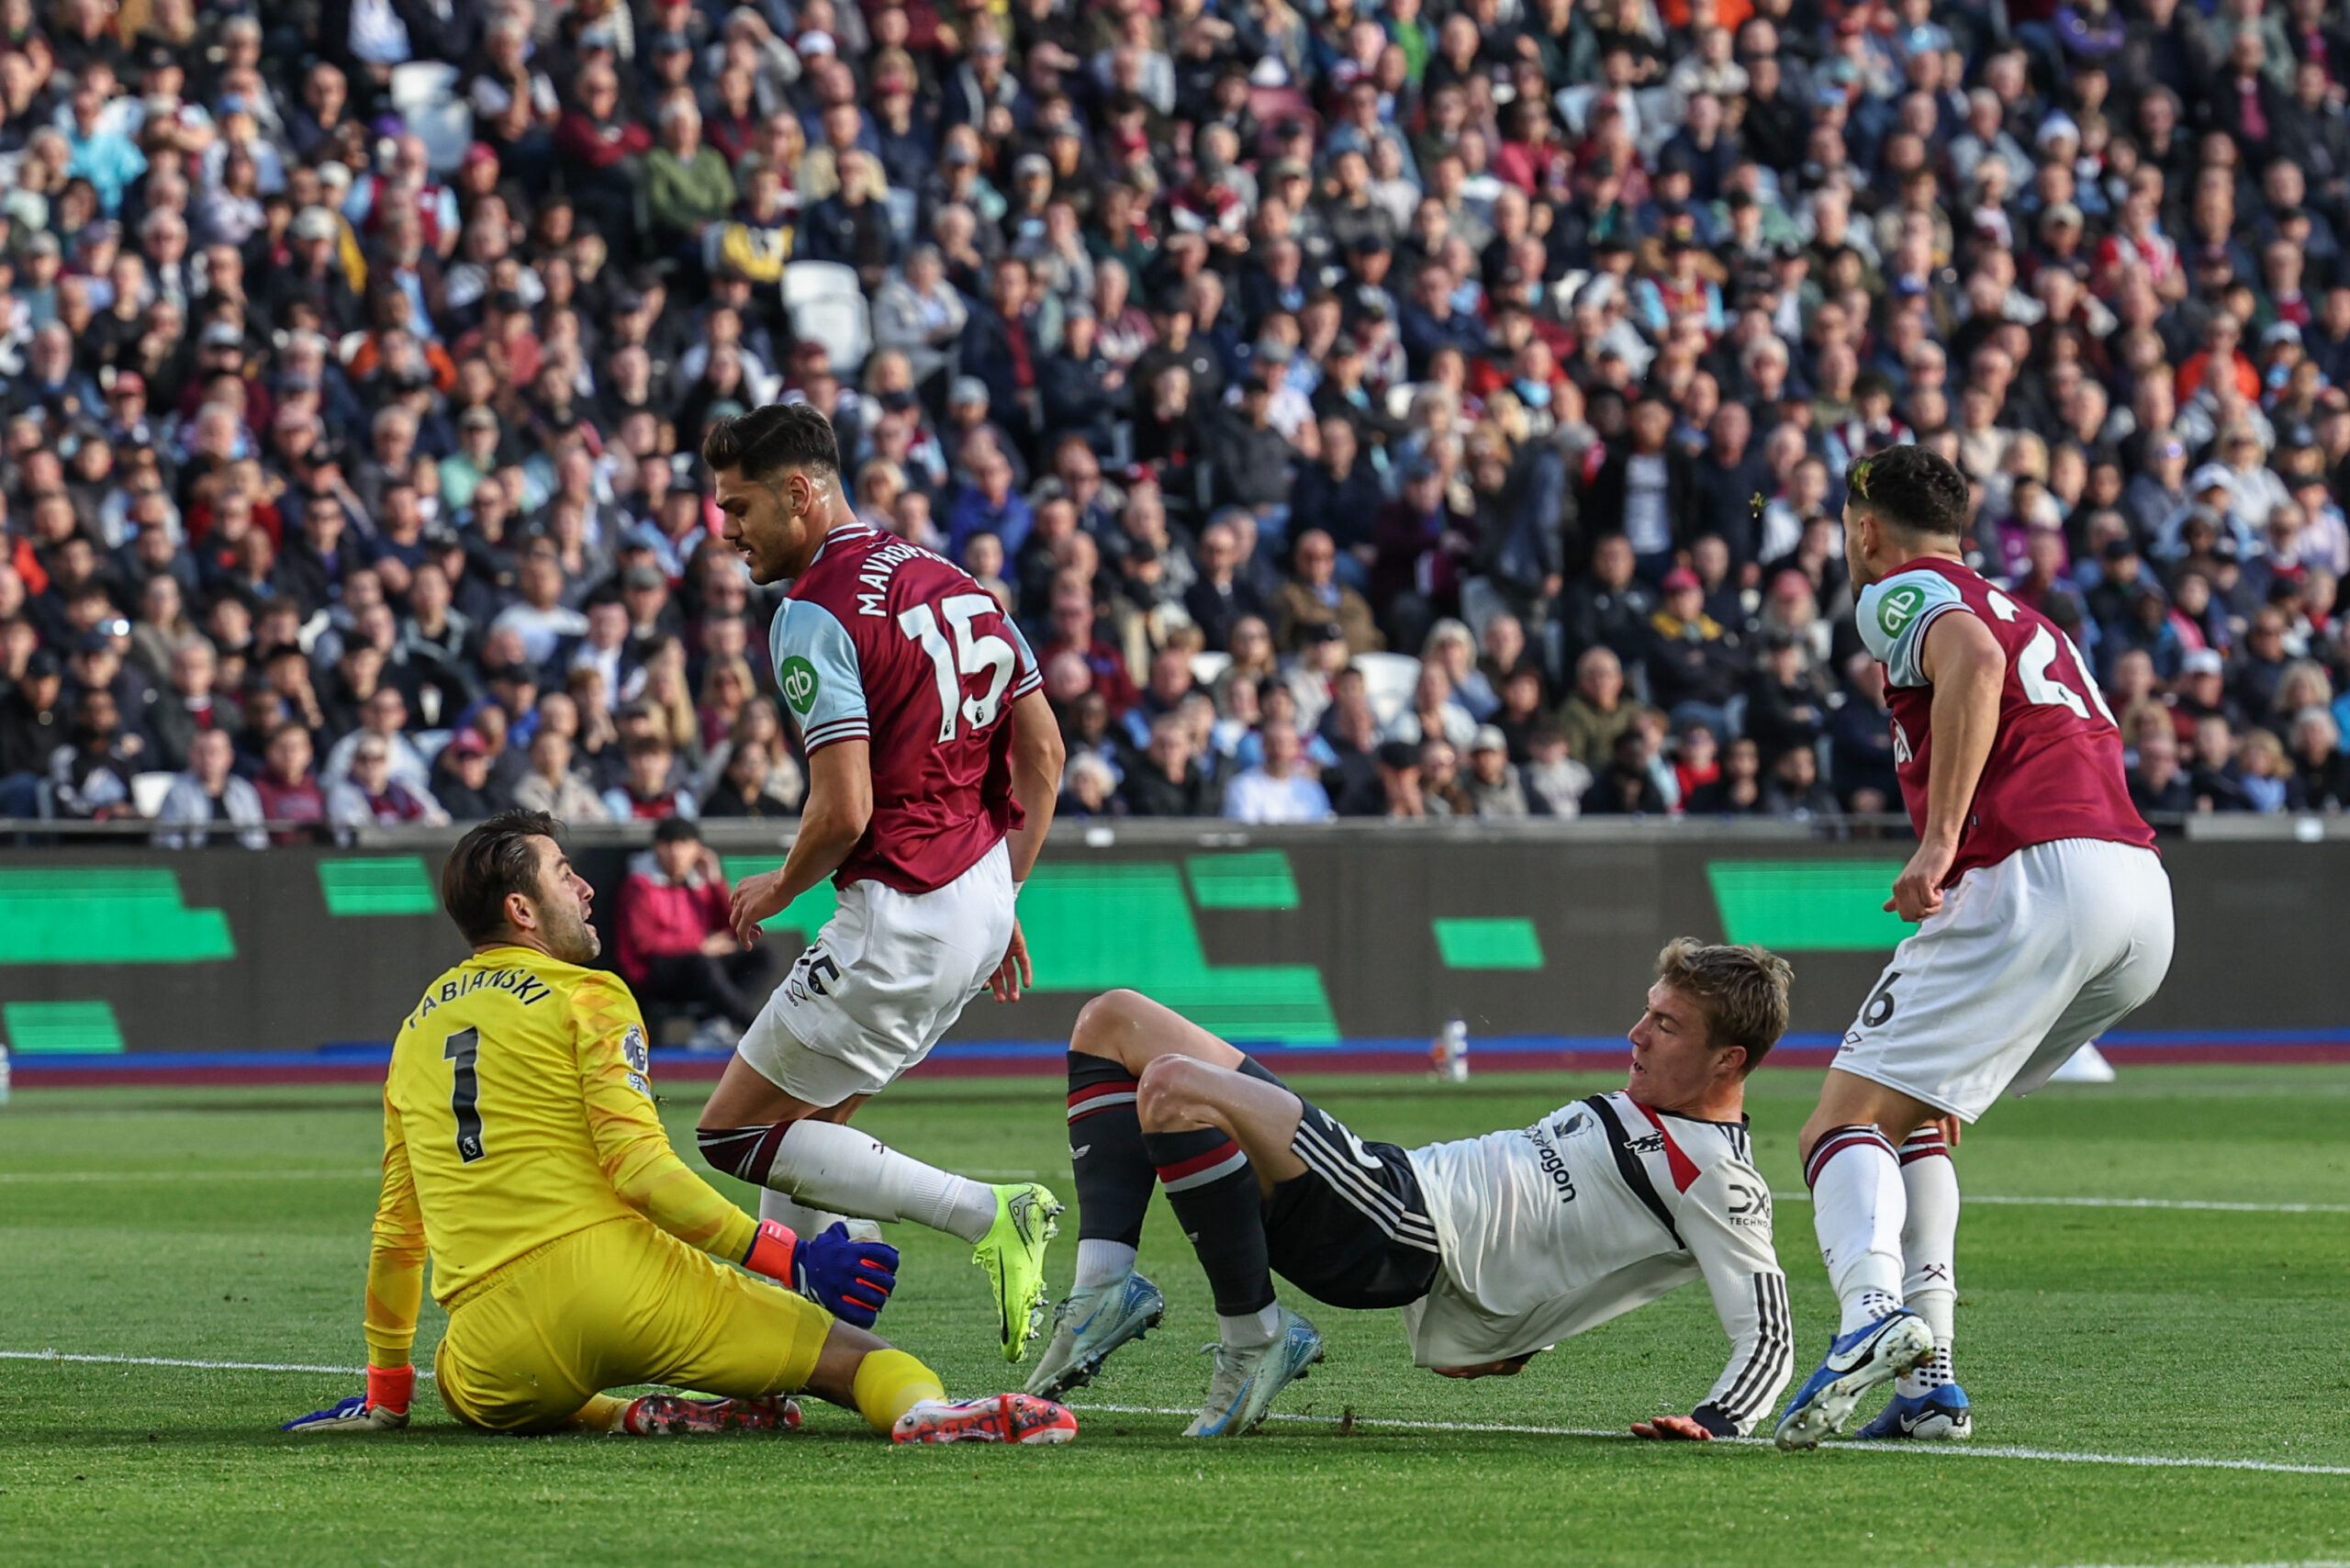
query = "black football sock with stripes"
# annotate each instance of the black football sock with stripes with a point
(1212, 1190)
(1115, 1175)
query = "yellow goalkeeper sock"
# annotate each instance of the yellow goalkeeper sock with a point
(890, 1383)
(601, 1414)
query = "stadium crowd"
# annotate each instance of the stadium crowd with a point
(1410, 409)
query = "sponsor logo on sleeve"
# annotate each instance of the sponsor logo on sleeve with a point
(799, 684)
(1750, 1205)
(1898, 607)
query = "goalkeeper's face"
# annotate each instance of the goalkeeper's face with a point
(561, 904)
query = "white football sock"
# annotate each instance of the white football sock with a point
(1251, 1329)
(1102, 1262)
(784, 1209)
(1857, 1209)
(1929, 1250)
(829, 1166)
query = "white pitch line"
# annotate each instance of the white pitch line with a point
(369, 1173)
(423, 1372)
(2125, 1203)
(1930, 1450)
(354, 1174)
(1936, 1450)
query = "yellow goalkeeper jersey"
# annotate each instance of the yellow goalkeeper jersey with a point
(518, 1110)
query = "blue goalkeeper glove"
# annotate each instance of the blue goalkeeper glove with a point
(382, 1408)
(852, 1280)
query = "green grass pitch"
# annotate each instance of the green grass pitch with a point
(230, 1226)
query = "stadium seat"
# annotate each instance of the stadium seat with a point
(1387, 682)
(424, 94)
(148, 789)
(804, 281)
(827, 304)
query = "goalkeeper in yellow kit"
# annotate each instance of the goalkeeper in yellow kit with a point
(574, 1251)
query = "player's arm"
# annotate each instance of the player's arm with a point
(852, 1280)
(834, 817)
(1037, 759)
(395, 1291)
(817, 669)
(1967, 669)
(1725, 1218)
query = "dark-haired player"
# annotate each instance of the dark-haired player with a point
(574, 1251)
(1495, 1248)
(933, 763)
(2044, 918)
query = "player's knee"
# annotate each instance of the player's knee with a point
(1107, 1024)
(1167, 1094)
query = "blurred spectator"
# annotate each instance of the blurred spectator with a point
(649, 789)
(1785, 708)
(2321, 779)
(1280, 789)
(1693, 662)
(2157, 784)
(1314, 597)
(33, 722)
(207, 793)
(289, 792)
(1493, 784)
(1509, 330)
(1090, 787)
(1168, 782)
(1626, 787)
(461, 779)
(371, 795)
(675, 942)
(1555, 783)
(1442, 792)
(1597, 711)
(1736, 790)
(1794, 788)
(747, 785)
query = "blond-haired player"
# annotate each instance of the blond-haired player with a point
(574, 1251)
(1495, 1246)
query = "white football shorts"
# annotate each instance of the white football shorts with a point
(886, 978)
(2027, 960)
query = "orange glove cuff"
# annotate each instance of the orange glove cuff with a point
(772, 1250)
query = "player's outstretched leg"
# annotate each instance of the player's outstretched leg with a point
(1194, 1114)
(1927, 1401)
(1110, 1304)
(898, 1395)
(757, 1132)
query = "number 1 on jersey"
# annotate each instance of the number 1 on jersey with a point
(985, 654)
(465, 1094)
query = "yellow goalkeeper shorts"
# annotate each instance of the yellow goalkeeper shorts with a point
(617, 1304)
